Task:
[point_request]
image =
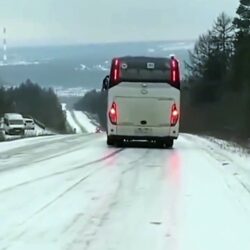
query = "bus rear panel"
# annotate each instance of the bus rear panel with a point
(143, 100)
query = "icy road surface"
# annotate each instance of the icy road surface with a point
(74, 193)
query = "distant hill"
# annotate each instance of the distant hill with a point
(81, 65)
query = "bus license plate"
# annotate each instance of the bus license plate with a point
(143, 131)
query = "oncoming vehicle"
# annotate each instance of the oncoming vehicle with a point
(29, 123)
(1, 123)
(13, 124)
(143, 100)
(1, 128)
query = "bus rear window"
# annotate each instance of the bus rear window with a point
(145, 70)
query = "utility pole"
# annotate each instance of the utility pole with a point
(4, 45)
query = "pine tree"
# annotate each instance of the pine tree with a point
(210, 61)
(198, 58)
(212, 53)
(241, 61)
(223, 40)
(242, 21)
(2, 101)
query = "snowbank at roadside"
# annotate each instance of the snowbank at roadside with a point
(235, 160)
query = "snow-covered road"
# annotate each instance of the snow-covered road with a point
(84, 121)
(74, 193)
(72, 123)
(79, 122)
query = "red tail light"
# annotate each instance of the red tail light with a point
(174, 115)
(175, 73)
(115, 73)
(113, 114)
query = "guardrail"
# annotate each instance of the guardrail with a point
(40, 124)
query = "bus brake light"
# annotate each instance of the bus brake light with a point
(113, 114)
(174, 115)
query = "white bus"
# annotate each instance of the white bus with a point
(143, 100)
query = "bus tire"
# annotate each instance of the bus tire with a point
(119, 143)
(110, 141)
(159, 144)
(169, 143)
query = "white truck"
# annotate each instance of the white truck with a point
(143, 100)
(14, 124)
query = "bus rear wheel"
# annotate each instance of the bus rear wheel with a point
(165, 143)
(110, 141)
(169, 143)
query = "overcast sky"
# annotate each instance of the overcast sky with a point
(39, 22)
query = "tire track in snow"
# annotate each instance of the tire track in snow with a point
(62, 172)
(101, 213)
(32, 161)
(19, 234)
(40, 143)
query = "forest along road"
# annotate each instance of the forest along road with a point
(75, 193)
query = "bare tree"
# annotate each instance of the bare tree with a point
(212, 53)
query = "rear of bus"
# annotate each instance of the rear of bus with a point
(143, 100)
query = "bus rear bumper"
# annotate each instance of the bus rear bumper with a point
(141, 138)
(143, 133)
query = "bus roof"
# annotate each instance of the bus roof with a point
(145, 58)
